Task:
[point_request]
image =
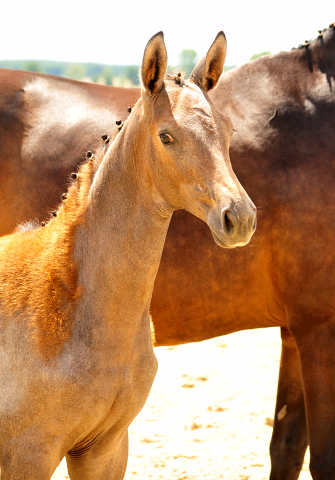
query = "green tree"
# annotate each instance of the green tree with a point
(108, 76)
(94, 77)
(131, 72)
(188, 60)
(77, 71)
(257, 55)
(32, 66)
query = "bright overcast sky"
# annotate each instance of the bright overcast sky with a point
(116, 32)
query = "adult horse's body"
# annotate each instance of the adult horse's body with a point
(76, 355)
(283, 111)
(46, 126)
(284, 155)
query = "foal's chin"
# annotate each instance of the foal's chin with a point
(225, 242)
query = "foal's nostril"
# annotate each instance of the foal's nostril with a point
(228, 222)
(254, 223)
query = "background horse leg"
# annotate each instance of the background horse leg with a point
(101, 461)
(289, 438)
(316, 347)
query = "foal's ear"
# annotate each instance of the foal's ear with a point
(154, 64)
(208, 71)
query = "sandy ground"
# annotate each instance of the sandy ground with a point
(209, 412)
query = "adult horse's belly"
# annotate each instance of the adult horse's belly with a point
(202, 291)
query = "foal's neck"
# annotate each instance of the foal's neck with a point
(122, 238)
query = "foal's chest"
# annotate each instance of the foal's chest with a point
(115, 388)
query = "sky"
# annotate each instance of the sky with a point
(116, 32)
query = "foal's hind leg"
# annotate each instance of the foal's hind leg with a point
(102, 461)
(289, 437)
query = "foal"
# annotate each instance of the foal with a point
(76, 356)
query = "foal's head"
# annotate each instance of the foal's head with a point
(188, 144)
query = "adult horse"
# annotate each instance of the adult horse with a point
(77, 359)
(283, 110)
(46, 125)
(283, 151)
(288, 126)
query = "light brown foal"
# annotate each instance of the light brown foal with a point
(76, 356)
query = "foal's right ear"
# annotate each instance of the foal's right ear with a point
(207, 72)
(154, 64)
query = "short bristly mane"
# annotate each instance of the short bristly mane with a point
(44, 284)
(321, 33)
(178, 78)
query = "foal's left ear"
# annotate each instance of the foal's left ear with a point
(154, 64)
(208, 71)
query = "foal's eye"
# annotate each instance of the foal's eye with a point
(165, 138)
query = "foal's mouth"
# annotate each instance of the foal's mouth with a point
(231, 242)
(220, 242)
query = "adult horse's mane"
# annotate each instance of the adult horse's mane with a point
(319, 37)
(320, 51)
(324, 59)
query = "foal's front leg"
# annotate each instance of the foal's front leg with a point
(103, 460)
(23, 468)
(289, 438)
(29, 458)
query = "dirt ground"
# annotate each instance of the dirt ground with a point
(209, 412)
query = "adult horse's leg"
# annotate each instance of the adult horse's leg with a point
(289, 438)
(316, 347)
(102, 460)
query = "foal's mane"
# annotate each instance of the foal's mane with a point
(38, 274)
(178, 78)
(75, 201)
(54, 315)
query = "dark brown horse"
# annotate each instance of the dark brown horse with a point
(46, 126)
(283, 151)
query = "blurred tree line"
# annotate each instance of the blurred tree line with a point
(122, 75)
(94, 72)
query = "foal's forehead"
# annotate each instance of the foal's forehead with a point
(188, 99)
